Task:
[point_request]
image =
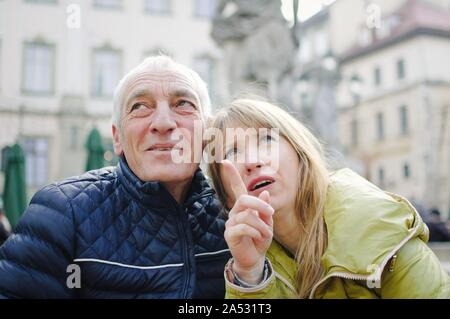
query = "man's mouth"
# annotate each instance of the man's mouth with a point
(163, 147)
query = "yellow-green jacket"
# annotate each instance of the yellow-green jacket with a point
(376, 249)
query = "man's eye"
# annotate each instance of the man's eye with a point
(137, 106)
(185, 104)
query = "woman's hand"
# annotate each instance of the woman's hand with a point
(249, 228)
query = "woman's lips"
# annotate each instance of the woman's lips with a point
(260, 180)
(258, 191)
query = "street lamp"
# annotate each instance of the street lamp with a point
(329, 62)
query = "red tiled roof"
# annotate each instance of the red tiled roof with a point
(417, 13)
(414, 15)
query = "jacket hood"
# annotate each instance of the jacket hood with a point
(365, 225)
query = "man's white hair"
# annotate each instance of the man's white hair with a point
(158, 64)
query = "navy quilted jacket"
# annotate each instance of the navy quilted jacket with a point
(130, 239)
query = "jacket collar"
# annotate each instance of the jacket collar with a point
(154, 193)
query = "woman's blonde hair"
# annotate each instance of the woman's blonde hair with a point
(312, 177)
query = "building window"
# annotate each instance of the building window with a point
(39, 70)
(380, 126)
(381, 176)
(377, 76)
(406, 171)
(404, 123)
(106, 73)
(354, 133)
(36, 161)
(205, 68)
(158, 6)
(401, 69)
(205, 8)
(108, 4)
(42, 1)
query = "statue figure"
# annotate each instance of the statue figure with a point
(258, 45)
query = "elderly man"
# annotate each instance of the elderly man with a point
(148, 228)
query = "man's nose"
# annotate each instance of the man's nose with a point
(162, 121)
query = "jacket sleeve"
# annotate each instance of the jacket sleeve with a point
(274, 287)
(34, 260)
(417, 273)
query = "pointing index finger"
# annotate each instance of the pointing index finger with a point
(232, 178)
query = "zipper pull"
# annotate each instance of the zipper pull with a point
(392, 263)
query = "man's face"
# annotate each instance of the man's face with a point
(159, 108)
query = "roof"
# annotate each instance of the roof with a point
(415, 17)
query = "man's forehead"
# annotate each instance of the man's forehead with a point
(161, 82)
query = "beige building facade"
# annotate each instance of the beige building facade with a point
(60, 61)
(377, 73)
(397, 127)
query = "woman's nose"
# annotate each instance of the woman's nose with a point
(253, 164)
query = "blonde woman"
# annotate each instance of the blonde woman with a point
(296, 230)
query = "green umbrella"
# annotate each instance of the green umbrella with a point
(95, 150)
(14, 192)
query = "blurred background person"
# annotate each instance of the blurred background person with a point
(438, 228)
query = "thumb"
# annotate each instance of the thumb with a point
(265, 196)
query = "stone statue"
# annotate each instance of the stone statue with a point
(257, 43)
(237, 19)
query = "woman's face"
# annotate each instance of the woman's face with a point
(274, 171)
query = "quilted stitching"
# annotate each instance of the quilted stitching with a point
(117, 218)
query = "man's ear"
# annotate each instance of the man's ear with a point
(116, 141)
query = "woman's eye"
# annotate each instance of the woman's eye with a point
(267, 137)
(230, 154)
